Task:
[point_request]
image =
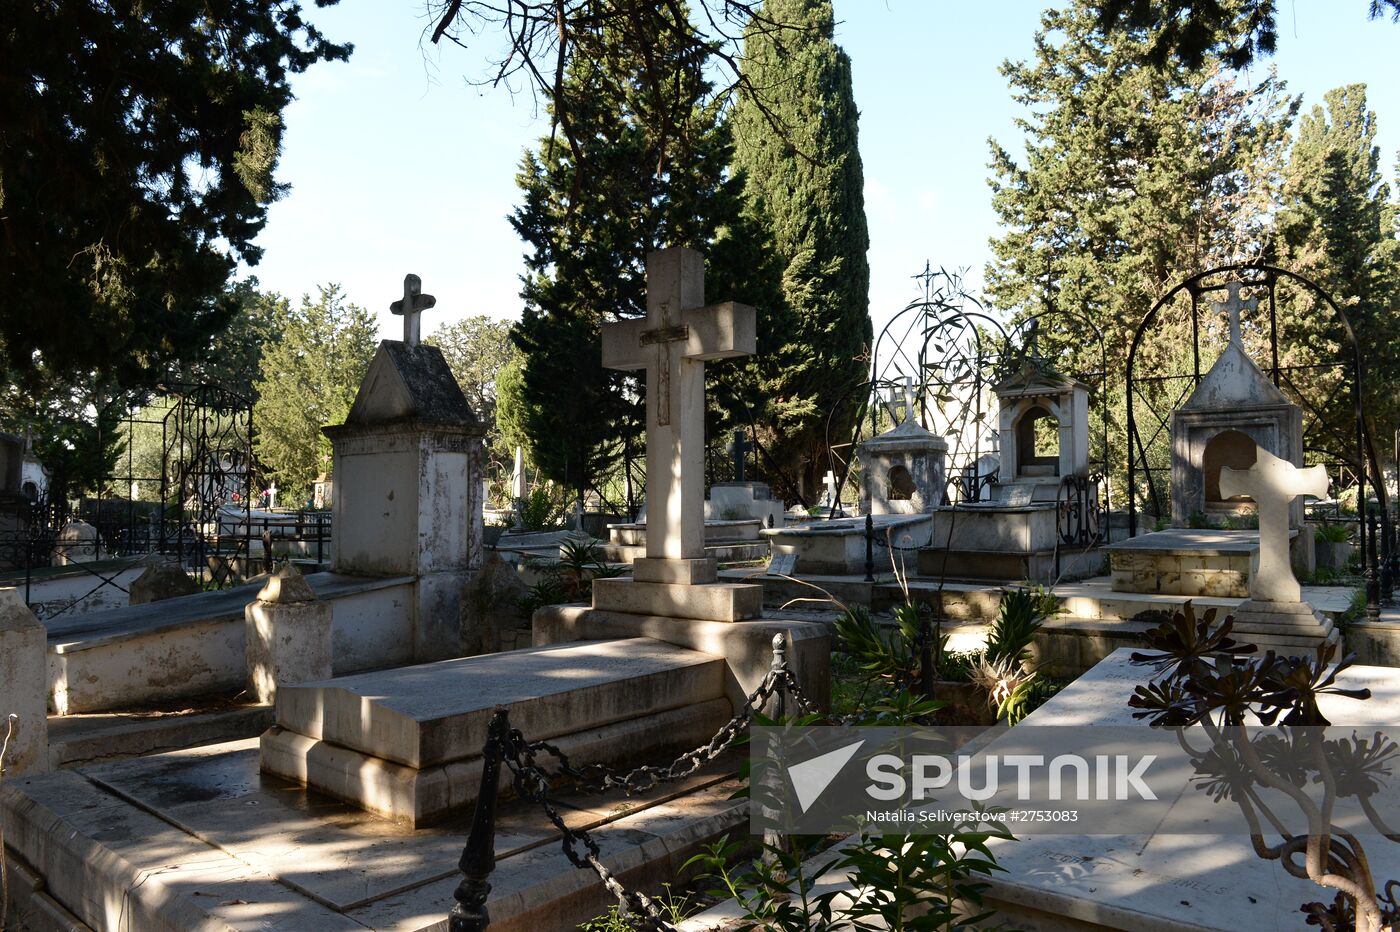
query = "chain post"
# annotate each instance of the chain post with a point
(869, 549)
(469, 914)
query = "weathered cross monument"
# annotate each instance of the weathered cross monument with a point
(1275, 615)
(671, 344)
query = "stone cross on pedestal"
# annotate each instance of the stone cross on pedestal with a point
(672, 343)
(1232, 306)
(410, 306)
(908, 399)
(1273, 483)
(740, 449)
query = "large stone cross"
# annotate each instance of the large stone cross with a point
(1232, 306)
(672, 343)
(1273, 483)
(410, 306)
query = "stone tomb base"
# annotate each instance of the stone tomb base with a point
(200, 839)
(1186, 561)
(406, 743)
(997, 542)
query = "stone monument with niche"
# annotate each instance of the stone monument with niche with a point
(672, 343)
(407, 466)
(902, 470)
(1014, 532)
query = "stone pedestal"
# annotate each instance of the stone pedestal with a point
(407, 464)
(23, 686)
(1286, 628)
(682, 588)
(288, 635)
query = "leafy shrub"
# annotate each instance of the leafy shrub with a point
(543, 509)
(1019, 617)
(1332, 533)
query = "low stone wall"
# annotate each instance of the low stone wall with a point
(195, 645)
(1375, 644)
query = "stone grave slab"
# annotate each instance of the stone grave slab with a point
(406, 743)
(1166, 882)
(1185, 561)
(202, 839)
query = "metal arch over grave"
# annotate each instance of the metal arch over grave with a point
(938, 359)
(1159, 378)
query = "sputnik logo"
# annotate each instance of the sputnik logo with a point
(811, 777)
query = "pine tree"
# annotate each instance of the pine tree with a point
(1337, 227)
(1134, 176)
(309, 379)
(587, 244)
(797, 149)
(138, 144)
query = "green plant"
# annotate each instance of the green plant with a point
(1332, 533)
(775, 890)
(543, 509)
(1198, 519)
(1019, 617)
(923, 882)
(675, 908)
(548, 591)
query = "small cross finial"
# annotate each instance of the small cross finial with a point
(413, 303)
(908, 398)
(1232, 305)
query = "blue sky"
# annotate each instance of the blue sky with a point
(397, 165)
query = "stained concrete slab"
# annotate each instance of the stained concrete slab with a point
(434, 713)
(199, 839)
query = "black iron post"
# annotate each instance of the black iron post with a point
(1372, 559)
(869, 549)
(469, 914)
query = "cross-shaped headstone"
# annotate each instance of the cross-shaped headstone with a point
(1232, 306)
(412, 304)
(1273, 483)
(672, 343)
(740, 449)
(908, 398)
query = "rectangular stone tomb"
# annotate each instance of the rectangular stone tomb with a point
(1185, 561)
(406, 743)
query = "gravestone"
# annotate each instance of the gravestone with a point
(77, 542)
(23, 686)
(407, 467)
(1275, 615)
(672, 343)
(902, 470)
(163, 578)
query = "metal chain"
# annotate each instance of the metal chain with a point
(531, 781)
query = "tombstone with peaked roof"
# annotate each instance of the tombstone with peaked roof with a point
(902, 469)
(1235, 410)
(407, 467)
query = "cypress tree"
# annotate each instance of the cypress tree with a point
(804, 186)
(587, 237)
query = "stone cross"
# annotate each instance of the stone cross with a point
(1273, 483)
(412, 304)
(739, 448)
(672, 343)
(1232, 306)
(908, 398)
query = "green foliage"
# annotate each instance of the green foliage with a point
(587, 244)
(1337, 225)
(804, 187)
(1332, 533)
(477, 350)
(570, 578)
(675, 908)
(543, 509)
(138, 165)
(308, 380)
(1019, 616)
(775, 891)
